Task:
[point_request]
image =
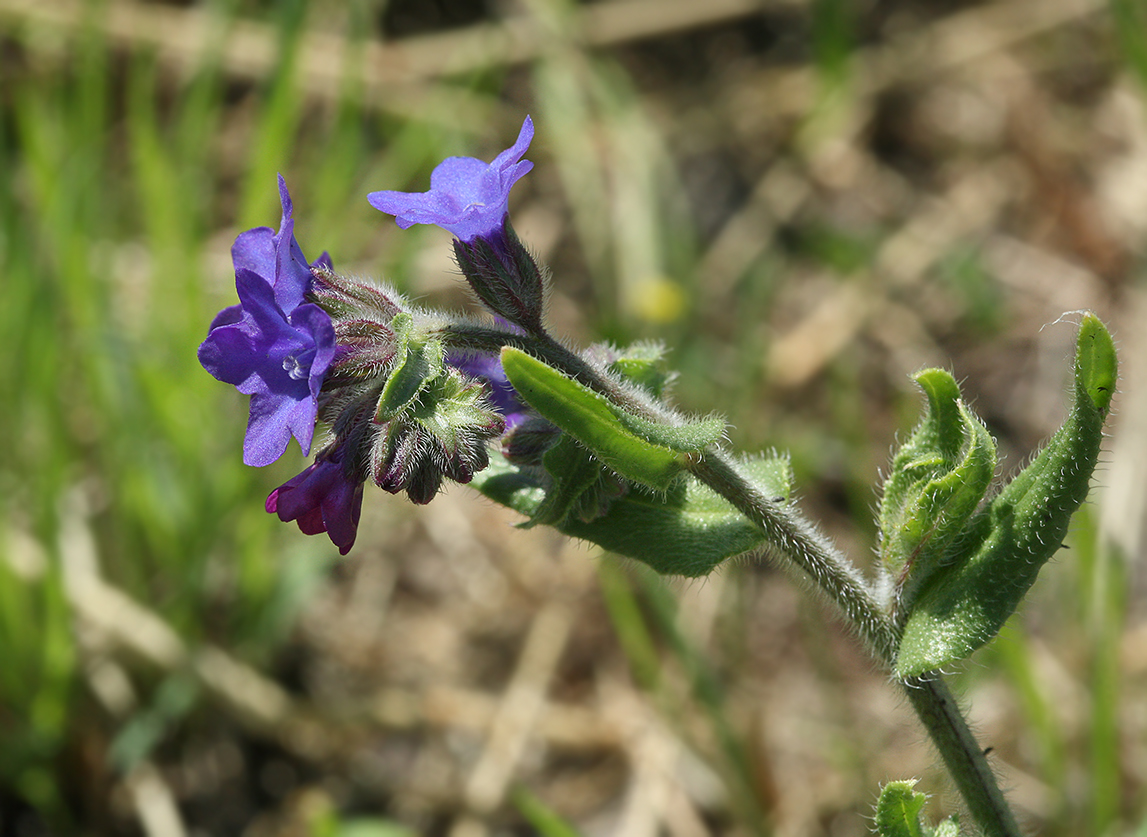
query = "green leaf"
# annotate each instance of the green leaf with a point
(575, 474)
(937, 482)
(967, 603)
(898, 814)
(898, 810)
(686, 530)
(592, 420)
(1096, 367)
(644, 365)
(416, 362)
(686, 437)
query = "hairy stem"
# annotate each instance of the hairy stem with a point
(840, 581)
(799, 541)
(965, 760)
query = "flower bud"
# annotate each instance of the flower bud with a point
(321, 499)
(528, 442)
(505, 276)
(443, 435)
(993, 562)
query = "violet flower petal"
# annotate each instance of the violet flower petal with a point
(273, 346)
(467, 197)
(276, 257)
(278, 360)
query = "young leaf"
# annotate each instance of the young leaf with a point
(938, 479)
(965, 604)
(417, 362)
(898, 814)
(577, 478)
(637, 449)
(644, 365)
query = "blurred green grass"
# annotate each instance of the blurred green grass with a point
(124, 175)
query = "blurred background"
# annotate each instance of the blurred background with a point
(808, 200)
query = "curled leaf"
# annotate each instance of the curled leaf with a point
(417, 362)
(899, 810)
(938, 480)
(1005, 545)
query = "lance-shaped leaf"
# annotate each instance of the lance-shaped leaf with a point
(646, 452)
(965, 604)
(686, 530)
(937, 481)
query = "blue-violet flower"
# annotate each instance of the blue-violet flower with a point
(273, 345)
(467, 197)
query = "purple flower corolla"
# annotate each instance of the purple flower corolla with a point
(278, 359)
(272, 346)
(467, 197)
(321, 499)
(277, 257)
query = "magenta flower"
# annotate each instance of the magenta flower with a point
(272, 345)
(467, 197)
(321, 499)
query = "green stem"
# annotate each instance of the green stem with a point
(840, 581)
(965, 760)
(799, 541)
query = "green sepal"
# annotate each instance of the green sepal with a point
(937, 481)
(416, 361)
(687, 530)
(898, 814)
(967, 603)
(454, 409)
(647, 453)
(898, 810)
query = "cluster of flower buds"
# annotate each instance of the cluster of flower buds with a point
(310, 345)
(400, 414)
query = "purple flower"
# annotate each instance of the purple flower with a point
(277, 257)
(272, 346)
(321, 499)
(467, 197)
